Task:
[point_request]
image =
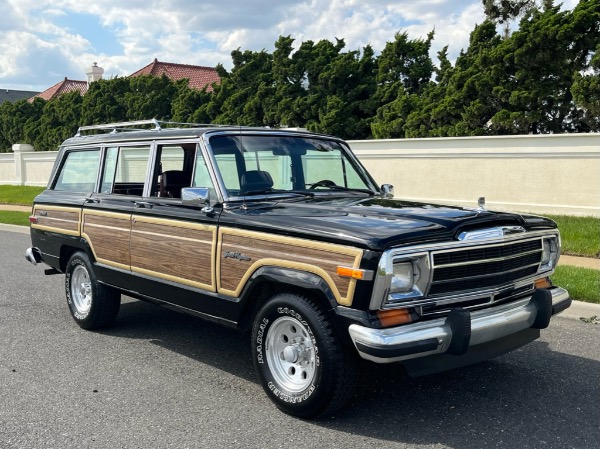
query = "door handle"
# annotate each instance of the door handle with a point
(143, 205)
(92, 201)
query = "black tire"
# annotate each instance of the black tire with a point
(301, 364)
(92, 304)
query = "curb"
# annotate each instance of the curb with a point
(15, 208)
(580, 309)
(14, 228)
(582, 262)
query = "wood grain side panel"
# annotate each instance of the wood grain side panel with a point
(286, 252)
(108, 237)
(179, 254)
(57, 219)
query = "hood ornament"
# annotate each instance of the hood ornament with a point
(481, 203)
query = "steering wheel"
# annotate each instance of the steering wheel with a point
(323, 183)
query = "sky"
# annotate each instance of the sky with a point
(44, 41)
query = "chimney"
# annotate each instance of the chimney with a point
(94, 73)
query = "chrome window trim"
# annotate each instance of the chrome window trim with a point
(381, 299)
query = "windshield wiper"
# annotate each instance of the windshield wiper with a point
(349, 189)
(280, 191)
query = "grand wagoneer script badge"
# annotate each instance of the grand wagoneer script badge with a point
(234, 255)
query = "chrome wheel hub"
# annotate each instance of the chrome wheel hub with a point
(290, 354)
(81, 289)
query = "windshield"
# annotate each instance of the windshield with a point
(253, 165)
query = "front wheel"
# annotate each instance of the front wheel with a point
(302, 366)
(92, 304)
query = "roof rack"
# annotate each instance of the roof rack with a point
(133, 126)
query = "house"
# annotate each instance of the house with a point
(62, 87)
(198, 76)
(15, 95)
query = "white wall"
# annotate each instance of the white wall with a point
(24, 166)
(557, 174)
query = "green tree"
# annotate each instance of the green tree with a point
(586, 93)
(341, 96)
(59, 121)
(17, 120)
(404, 72)
(237, 99)
(505, 11)
(150, 96)
(540, 63)
(104, 102)
(186, 106)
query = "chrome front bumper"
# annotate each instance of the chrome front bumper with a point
(459, 331)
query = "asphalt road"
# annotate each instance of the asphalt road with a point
(159, 379)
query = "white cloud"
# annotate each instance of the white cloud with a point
(35, 49)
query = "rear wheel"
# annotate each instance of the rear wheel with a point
(302, 366)
(92, 304)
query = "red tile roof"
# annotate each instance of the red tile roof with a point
(63, 87)
(198, 76)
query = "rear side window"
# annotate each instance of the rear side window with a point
(125, 170)
(79, 171)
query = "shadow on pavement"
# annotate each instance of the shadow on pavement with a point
(506, 402)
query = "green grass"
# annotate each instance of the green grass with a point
(22, 195)
(15, 218)
(580, 235)
(583, 284)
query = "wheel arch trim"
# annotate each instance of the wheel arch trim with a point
(295, 274)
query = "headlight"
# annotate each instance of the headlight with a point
(402, 277)
(550, 253)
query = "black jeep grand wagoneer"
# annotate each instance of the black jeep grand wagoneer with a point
(286, 234)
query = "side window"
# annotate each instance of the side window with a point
(173, 170)
(79, 171)
(110, 165)
(125, 170)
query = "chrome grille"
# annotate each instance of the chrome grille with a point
(484, 267)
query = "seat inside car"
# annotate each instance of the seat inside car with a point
(255, 180)
(172, 181)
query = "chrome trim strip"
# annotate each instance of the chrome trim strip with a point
(486, 325)
(467, 295)
(489, 233)
(456, 245)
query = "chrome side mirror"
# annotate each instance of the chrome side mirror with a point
(198, 197)
(387, 191)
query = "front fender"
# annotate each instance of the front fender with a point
(290, 277)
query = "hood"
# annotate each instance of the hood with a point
(372, 223)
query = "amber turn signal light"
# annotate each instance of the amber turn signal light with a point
(543, 283)
(393, 317)
(355, 273)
